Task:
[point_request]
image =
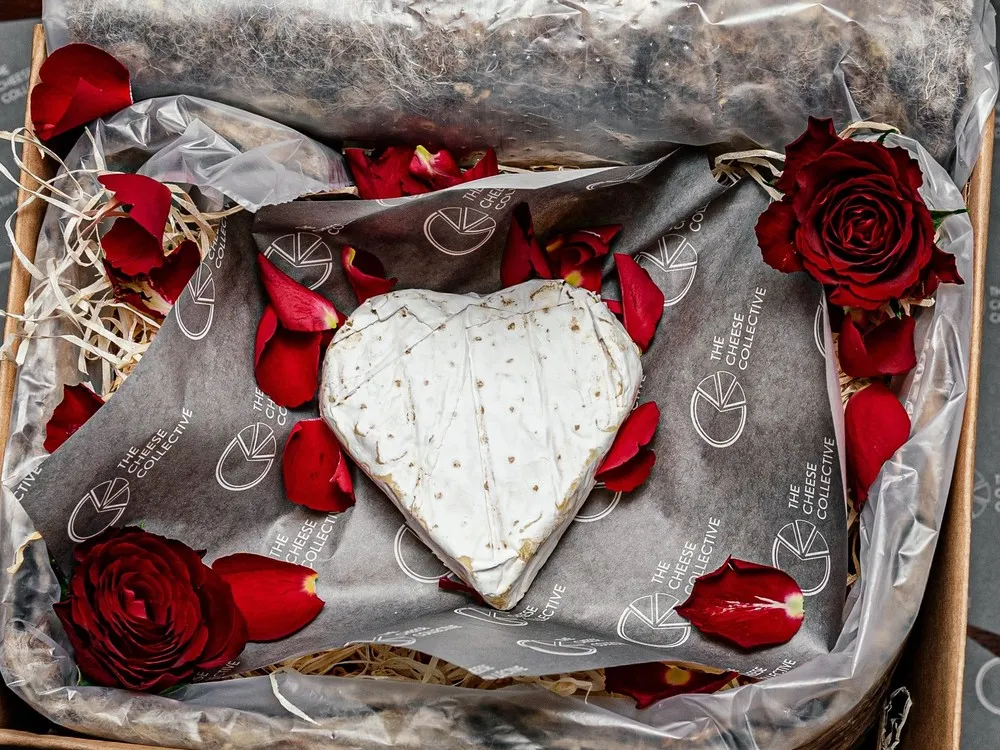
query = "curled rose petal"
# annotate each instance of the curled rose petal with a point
(130, 249)
(523, 255)
(298, 307)
(276, 598)
(78, 404)
(614, 306)
(747, 604)
(365, 274)
(636, 431)
(438, 170)
(450, 582)
(77, 84)
(775, 230)
(486, 167)
(819, 137)
(631, 474)
(642, 300)
(384, 174)
(315, 470)
(286, 363)
(170, 278)
(149, 200)
(656, 681)
(887, 349)
(875, 426)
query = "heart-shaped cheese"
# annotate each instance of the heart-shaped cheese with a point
(484, 419)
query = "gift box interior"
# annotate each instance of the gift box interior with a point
(932, 664)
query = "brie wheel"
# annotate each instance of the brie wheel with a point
(484, 419)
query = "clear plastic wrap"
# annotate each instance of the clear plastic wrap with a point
(899, 527)
(554, 81)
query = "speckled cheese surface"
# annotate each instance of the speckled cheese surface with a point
(483, 419)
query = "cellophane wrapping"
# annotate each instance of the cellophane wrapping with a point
(554, 81)
(899, 528)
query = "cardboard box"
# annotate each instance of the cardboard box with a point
(932, 664)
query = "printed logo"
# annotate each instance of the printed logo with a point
(672, 265)
(819, 334)
(99, 509)
(195, 310)
(988, 685)
(559, 647)
(414, 559)
(719, 409)
(305, 252)
(392, 638)
(491, 616)
(598, 505)
(247, 459)
(651, 621)
(635, 174)
(459, 230)
(800, 550)
(982, 496)
(388, 202)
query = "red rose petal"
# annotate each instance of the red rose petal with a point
(77, 84)
(636, 431)
(450, 582)
(630, 474)
(614, 306)
(653, 682)
(887, 349)
(486, 167)
(522, 255)
(298, 308)
(438, 170)
(276, 598)
(148, 198)
(384, 174)
(875, 426)
(78, 404)
(775, 232)
(286, 363)
(818, 138)
(747, 604)
(365, 274)
(130, 249)
(315, 470)
(170, 279)
(642, 300)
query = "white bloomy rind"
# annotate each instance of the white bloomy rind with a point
(484, 419)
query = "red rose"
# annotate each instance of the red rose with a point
(145, 613)
(578, 255)
(852, 217)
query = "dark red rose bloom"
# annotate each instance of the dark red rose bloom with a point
(145, 613)
(853, 219)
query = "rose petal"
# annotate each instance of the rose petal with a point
(747, 604)
(875, 426)
(586, 275)
(522, 255)
(630, 474)
(384, 174)
(298, 307)
(775, 231)
(170, 278)
(642, 300)
(817, 139)
(887, 349)
(315, 470)
(286, 363)
(656, 681)
(438, 170)
(276, 598)
(149, 200)
(78, 404)
(614, 306)
(365, 274)
(636, 431)
(450, 582)
(130, 249)
(78, 83)
(486, 167)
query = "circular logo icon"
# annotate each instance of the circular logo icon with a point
(306, 254)
(988, 685)
(389, 202)
(459, 230)
(719, 409)
(630, 175)
(819, 331)
(247, 459)
(491, 616)
(559, 647)
(99, 509)
(802, 552)
(414, 559)
(195, 310)
(599, 504)
(391, 638)
(672, 265)
(982, 495)
(651, 621)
